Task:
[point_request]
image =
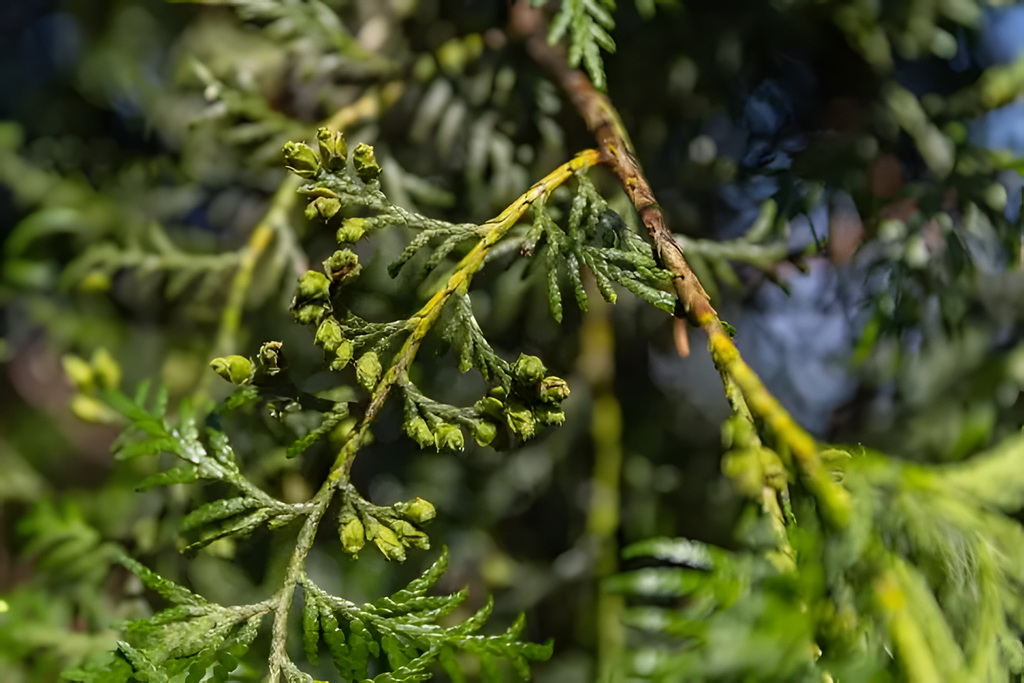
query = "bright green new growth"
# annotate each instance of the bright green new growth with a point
(596, 237)
(883, 570)
(930, 570)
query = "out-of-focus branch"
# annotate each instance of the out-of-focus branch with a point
(597, 365)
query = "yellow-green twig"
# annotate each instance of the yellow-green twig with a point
(768, 496)
(493, 230)
(832, 498)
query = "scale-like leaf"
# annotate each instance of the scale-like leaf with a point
(142, 667)
(425, 581)
(675, 550)
(240, 525)
(183, 474)
(168, 589)
(311, 628)
(216, 510)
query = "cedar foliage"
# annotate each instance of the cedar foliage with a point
(393, 300)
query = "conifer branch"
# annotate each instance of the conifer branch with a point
(875, 569)
(833, 498)
(693, 302)
(420, 324)
(754, 468)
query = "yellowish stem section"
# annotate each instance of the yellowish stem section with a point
(833, 499)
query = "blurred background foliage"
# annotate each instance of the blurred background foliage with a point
(845, 177)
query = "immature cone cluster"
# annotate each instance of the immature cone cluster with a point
(312, 301)
(331, 154)
(312, 304)
(532, 402)
(392, 529)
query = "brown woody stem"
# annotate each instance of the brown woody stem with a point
(617, 153)
(693, 303)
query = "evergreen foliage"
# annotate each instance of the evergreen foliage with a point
(368, 315)
(199, 638)
(587, 23)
